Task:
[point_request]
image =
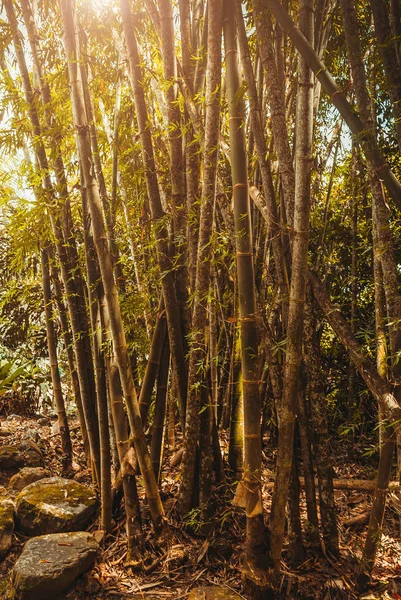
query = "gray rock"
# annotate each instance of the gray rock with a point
(31, 434)
(26, 454)
(54, 505)
(6, 526)
(32, 454)
(212, 592)
(55, 428)
(26, 476)
(49, 564)
(44, 421)
(11, 457)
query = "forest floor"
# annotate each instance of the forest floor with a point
(193, 559)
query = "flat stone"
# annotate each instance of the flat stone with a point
(7, 509)
(212, 592)
(49, 564)
(54, 505)
(26, 476)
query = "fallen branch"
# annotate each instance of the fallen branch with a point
(363, 485)
(360, 519)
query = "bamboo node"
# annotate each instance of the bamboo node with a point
(230, 51)
(252, 436)
(239, 253)
(305, 84)
(240, 185)
(258, 381)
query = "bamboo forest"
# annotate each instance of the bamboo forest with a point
(200, 299)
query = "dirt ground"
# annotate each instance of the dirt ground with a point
(192, 559)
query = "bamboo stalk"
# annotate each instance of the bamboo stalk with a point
(54, 369)
(255, 548)
(106, 269)
(337, 97)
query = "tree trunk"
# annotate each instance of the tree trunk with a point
(299, 271)
(176, 165)
(54, 369)
(362, 136)
(156, 446)
(106, 269)
(198, 351)
(158, 215)
(255, 548)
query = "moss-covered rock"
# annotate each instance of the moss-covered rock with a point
(49, 564)
(26, 476)
(54, 505)
(212, 592)
(6, 526)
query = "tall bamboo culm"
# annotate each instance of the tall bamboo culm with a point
(255, 562)
(106, 268)
(299, 275)
(55, 373)
(198, 347)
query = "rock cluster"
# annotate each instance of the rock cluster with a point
(53, 510)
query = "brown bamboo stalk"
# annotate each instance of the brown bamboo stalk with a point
(158, 424)
(198, 354)
(95, 292)
(65, 329)
(255, 549)
(153, 364)
(106, 268)
(299, 271)
(158, 215)
(276, 101)
(83, 359)
(54, 369)
(387, 46)
(177, 164)
(380, 389)
(337, 97)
